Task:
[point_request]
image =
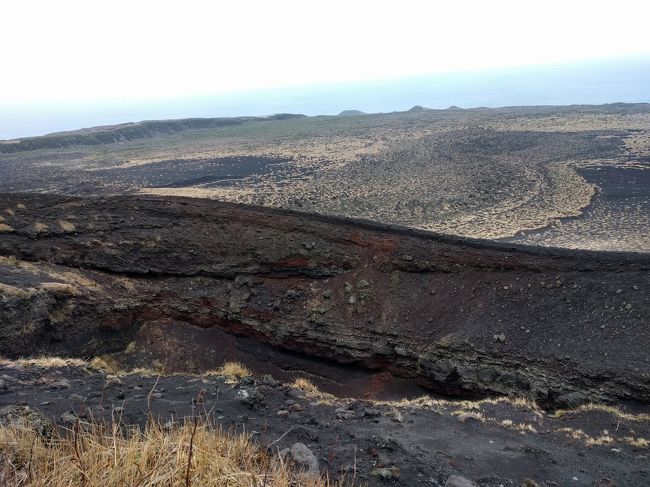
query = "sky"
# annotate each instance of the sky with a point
(75, 51)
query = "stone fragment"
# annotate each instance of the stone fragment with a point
(303, 458)
(391, 473)
(458, 481)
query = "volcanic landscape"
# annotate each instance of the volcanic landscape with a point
(432, 297)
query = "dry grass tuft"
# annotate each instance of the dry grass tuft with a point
(67, 226)
(194, 454)
(603, 439)
(232, 370)
(574, 433)
(522, 427)
(312, 391)
(101, 364)
(637, 442)
(305, 385)
(471, 414)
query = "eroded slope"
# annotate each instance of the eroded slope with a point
(189, 282)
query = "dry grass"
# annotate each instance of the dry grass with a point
(614, 411)
(603, 439)
(465, 415)
(465, 406)
(193, 454)
(67, 226)
(522, 427)
(573, 433)
(101, 364)
(232, 370)
(306, 385)
(313, 392)
(45, 362)
(637, 442)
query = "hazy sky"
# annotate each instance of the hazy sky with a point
(76, 50)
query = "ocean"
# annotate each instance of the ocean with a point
(594, 82)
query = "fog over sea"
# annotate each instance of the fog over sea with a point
(595, 82)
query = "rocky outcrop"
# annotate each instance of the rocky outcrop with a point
(189, 282)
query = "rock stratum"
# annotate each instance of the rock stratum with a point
(360, 307)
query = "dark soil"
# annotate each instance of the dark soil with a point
(191, 283)
(352, 437)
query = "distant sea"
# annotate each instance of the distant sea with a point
(594, 82)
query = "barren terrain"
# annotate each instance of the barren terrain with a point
(364, 311)
(434, 297)
(532, 174)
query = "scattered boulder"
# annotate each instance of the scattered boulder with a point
(67, 417)
(469, 417)
(26, 416)
(604, 482)
(267, 380)
(61, 384)
(343, 413)
(391, 473)
(303, 458)
(251, 398)
(570, 400)
(458, 481)
(395, 416)
(371, 412)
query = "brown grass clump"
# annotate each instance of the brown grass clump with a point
(312, 391)
(232, 370)
(305, 385)
(601, 440)
(67, 226)
(101, 364)
(194, 454)
(522, 427)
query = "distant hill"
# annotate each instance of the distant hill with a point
(351, 113)
(128, 131)
(417, 109)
